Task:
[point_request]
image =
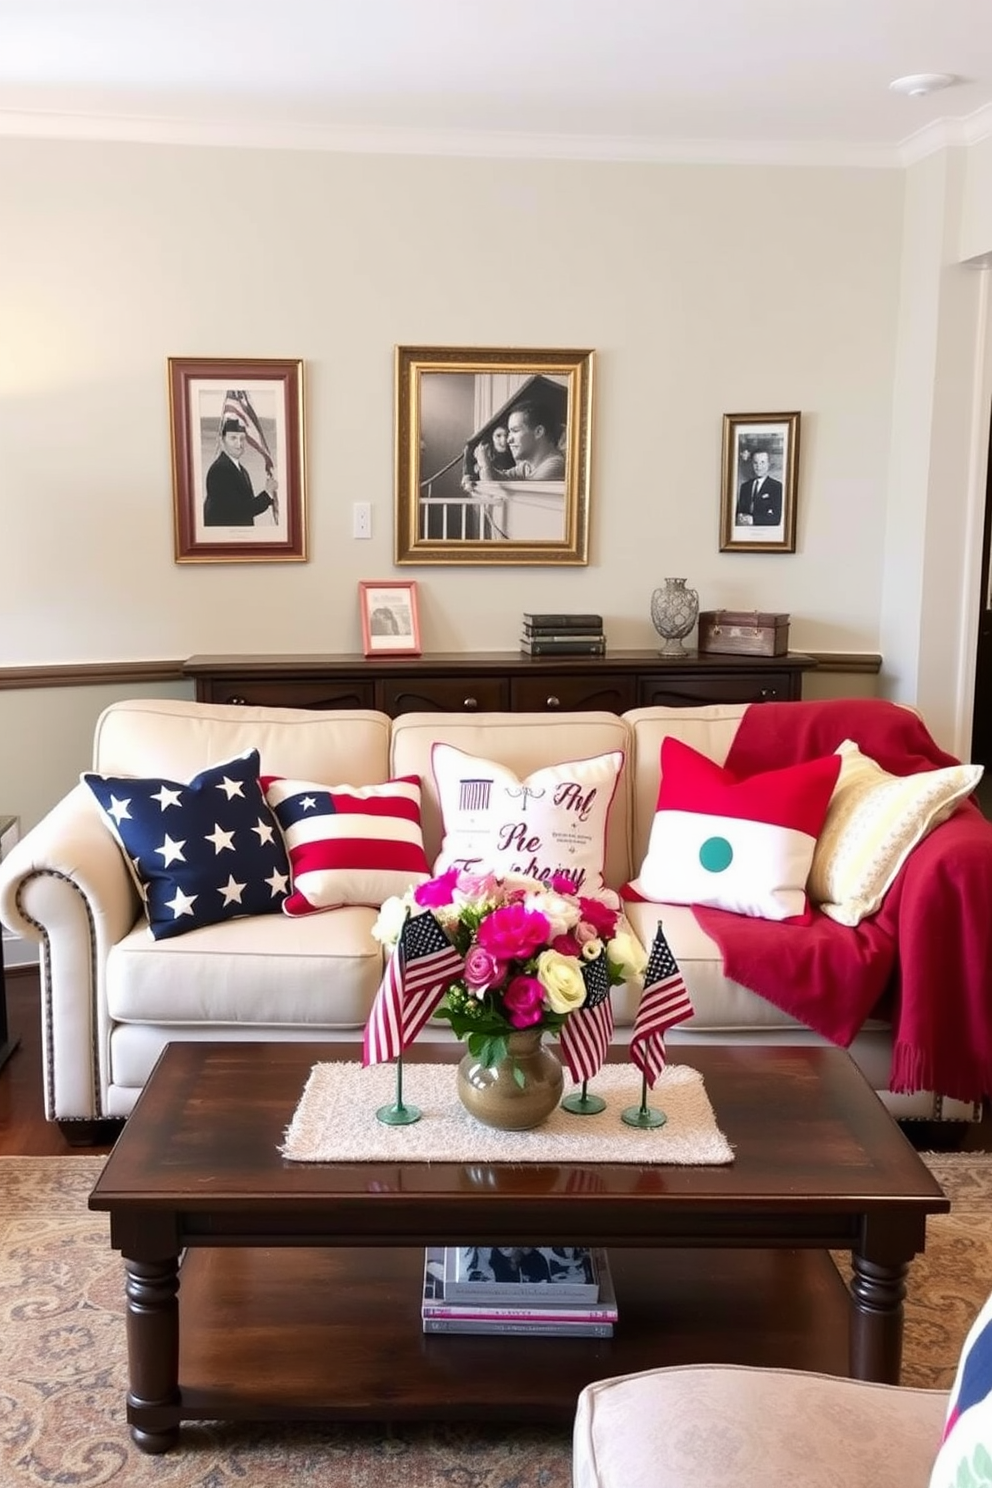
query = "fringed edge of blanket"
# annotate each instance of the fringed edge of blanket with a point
(912, 1070)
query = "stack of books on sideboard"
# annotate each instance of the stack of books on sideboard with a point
(566, 1291)
(563, 635)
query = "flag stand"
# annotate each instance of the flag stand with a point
(581, 1104)
(643, 1115)
(398, 1114)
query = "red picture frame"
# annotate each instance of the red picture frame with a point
(390, 619)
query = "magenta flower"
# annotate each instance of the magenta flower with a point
(600, 916)
(567, 945)
(524, 1001)
(561, 884)
(513, 932)
(482, 970)
(437, 892)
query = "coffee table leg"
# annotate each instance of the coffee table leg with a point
(877, 1295)
(152, 1289)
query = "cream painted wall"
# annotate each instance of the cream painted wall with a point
(703, 291)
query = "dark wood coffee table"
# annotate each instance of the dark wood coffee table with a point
(300, 1283)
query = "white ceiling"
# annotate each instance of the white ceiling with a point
(603, 79)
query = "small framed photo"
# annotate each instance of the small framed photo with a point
(492, 456)
(237, 461)
(390, 623)
(760, 462)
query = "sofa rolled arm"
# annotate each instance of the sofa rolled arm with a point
(66, 886)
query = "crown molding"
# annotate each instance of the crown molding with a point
(495, 144)
(465, 144)
(944, 134)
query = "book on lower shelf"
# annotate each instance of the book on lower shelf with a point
(518, 1274)
(540, 1316)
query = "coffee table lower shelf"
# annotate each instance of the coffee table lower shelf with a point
(335, 1334)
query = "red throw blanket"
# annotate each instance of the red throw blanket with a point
(926, 956)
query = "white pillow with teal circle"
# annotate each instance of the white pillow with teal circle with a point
(744, 845)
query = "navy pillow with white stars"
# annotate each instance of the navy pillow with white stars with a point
(200, 852)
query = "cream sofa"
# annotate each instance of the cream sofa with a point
(112, 997)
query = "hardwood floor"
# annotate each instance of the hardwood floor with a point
(25, 1132)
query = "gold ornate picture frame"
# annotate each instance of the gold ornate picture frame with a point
(492, 456)
(237, 460)
(760, 465)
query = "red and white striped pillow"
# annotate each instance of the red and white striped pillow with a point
(348, 844)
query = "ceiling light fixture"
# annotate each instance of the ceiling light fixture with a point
(919, 84)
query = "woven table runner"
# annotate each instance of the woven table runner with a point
(335, 1121)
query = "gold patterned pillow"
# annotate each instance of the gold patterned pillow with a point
(873, 823)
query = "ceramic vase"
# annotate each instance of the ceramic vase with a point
(497, 1098)
(674, 611)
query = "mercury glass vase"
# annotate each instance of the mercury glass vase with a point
(674, 611)
(495, 1096)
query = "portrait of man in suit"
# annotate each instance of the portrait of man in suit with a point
(759, 500)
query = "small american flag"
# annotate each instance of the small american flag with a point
(664, 1002)
(422, 964)
(238, 405)
(586, 1035)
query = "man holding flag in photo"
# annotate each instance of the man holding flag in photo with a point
(231, 500)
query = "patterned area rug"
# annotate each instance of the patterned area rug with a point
(63, 1373)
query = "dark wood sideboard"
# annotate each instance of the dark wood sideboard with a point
(496, 681)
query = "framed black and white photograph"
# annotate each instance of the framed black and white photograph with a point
(492, 456)
(237, 460)
(390, 622)
(760, 464)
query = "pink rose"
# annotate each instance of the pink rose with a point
(584, 932)
(436, 892)
(477, 886)
(513, 932)
(600, 916)
(524, 1001)
(482, 970)
(561, 884)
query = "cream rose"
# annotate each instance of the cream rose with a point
(627, 953)
(392, 917)
(561, 978)
(560, 910)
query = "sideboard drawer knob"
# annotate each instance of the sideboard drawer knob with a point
(552, 702)
(470, 704)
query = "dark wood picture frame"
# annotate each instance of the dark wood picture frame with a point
(760, 466)
(223, 513)
(492, 455)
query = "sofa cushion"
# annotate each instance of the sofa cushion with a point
(553, 821)
(743, 845)
(348, 844)
(267, 972)
(200, 851)
(874, 822)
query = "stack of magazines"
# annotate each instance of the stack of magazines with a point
(561, 1290)
(563, 635)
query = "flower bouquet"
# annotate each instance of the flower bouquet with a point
(526, 946)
